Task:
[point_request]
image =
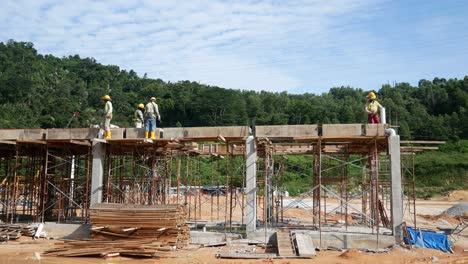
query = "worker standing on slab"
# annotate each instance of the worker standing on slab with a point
(107, 115)
(372, 108)
(138, 116)
(151, 113)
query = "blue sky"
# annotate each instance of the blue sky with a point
(296, 45)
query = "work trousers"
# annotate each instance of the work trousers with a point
(373, 118)
(150, 124)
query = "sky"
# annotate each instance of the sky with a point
(298, 46)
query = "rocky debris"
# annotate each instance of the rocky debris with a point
(458, 209)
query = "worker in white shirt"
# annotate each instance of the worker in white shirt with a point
(151, 113)
(107, 115)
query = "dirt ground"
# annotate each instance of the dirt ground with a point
(429, 216)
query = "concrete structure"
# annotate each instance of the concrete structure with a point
(99, 151)
(117, 170)
(251, 183)
(396, 187)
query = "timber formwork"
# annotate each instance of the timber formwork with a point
(345, 174)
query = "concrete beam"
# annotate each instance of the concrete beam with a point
(194, 132)
(97, 173)
(72, 133)
(251, 183)
(341, 130)
(139, 133)
(374, 130)
(396, 190)
(286, 131)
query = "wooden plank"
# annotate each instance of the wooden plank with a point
(7, 142)
(285, 248)
(421, 142)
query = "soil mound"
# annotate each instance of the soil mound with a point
(351, 254)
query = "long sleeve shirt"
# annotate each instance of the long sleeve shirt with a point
(373, 106)
(138, 116)
(151, 110)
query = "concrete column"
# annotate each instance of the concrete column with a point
(251, 183)
(97, 172)
(396, 183)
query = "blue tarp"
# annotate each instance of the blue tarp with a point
(430, 240)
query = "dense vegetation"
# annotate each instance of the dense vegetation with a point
(44, 91)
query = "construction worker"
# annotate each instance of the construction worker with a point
(151, 113)
(138, 116)
(107, 115)
(372, 108)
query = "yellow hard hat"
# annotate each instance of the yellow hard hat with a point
(106, 97)
(371, 95)
(153, 98)
(141, 106)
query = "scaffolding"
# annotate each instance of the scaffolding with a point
(344, 180)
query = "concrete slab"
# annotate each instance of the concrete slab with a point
(374, 130)
(286, 131)
(211, 238)
(341, 130)
(349, 240)
(67, 231)
(72, 133)
(305, 246)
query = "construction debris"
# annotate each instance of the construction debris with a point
(15, 231)
(105, 248)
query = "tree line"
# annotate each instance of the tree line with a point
(43, 91)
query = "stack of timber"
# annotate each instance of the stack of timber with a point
(130, 230)
(164, 223)
(110, 248)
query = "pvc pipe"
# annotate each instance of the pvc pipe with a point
(390, 132)
(383, 115)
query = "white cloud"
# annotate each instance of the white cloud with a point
(255, 45)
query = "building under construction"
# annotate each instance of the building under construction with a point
(354, 175)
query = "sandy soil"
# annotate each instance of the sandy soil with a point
(26, 250)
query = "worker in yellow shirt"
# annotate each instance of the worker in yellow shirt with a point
(372, 108)
(107, 115)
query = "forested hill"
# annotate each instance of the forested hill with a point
(44, 91)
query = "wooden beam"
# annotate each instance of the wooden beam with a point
(8, 142)
(422, 142)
